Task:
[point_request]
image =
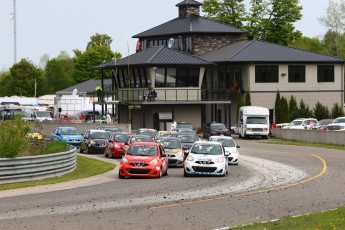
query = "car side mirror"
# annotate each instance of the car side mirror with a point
(237, 146)
(163, 155)
(226, 154)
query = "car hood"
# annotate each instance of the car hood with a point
(140, 159)
(172, 150)
(204, 156)
(73, 136)
(100, 141)
(229, 149)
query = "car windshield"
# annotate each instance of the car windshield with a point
(218, 126)
(99, 135)
(169, 144)
(225, 142)
(184, 125)
(296, 122)
(167, 135)
(184, 130)
(187, 138)
(339, 120)
(209, 149)
(143, 150)
(323, 122)
(151, 133)
(73, 118)
(110, 129)
(256, 120)
(141, 139)
(42, 114)
(69, 132)
(121, 138)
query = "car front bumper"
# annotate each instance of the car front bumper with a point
(193, 168)
(139, 171)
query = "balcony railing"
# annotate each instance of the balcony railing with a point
(137, 95)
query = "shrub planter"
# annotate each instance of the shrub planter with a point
(20, 169)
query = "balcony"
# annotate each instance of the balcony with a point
(168, 95)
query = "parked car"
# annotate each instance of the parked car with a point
(322, 124)
(147, 131)
(88, 115)
(115, 144)
(230, 148)
(301, 123)
(216, 129)
(136, 138)
(337, 125)
(94, 141)
(144, 159)
(110, 129)
(69, 134)
(42, 116)
(206, 158)
(187, 140)
(173, 150)
(70, 118)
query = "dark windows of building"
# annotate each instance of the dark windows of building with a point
(177, 77)
(266, 73)
(325, 73)
(296, 73)
(138, 78)
(180, 43)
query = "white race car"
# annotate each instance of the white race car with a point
(206, 158)
(229, 146)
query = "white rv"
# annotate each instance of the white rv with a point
(253, 121)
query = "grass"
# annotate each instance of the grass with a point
(332, 219)
(299, 143)
(86, 167)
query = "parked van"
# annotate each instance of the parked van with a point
(253, 121)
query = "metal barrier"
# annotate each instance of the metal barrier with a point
(13, 170)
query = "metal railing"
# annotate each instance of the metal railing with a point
(135, 95)
(31, 168)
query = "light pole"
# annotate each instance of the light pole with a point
(14, 18)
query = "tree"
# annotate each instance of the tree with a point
(284, 109)
(320, 111)
(277, 108)
(304, 110)
(311, 44)
(247, 99)
(334, 20)
(24, 78)
(230, 12)
(99, 40)
(337, 111)
(293, 108)
(59, 72)
(5, 80)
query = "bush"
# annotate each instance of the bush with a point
(54, 147)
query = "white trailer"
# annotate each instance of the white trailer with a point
(253, 121)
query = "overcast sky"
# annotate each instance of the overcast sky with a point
(52, 26)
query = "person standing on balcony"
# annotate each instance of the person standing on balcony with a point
(99, 93)
(151, 95)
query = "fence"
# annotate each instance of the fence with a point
(13, 170)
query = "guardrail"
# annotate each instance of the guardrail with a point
(13, 170)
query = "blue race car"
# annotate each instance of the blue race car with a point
(69, 134)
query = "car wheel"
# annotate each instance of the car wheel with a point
(160, 173)
(166, 173)
(185, 174)
(120, 176)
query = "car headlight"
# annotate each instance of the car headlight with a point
(190, 158)
(92, 142)
(64, 138)
(154, 162)
(229, 152)
(249, 129)
(116, 146)
(180, 154)
(124, 160)
(220, 159)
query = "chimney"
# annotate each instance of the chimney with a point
(188, 8)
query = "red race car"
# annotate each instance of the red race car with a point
(144, 159)
(115, 144)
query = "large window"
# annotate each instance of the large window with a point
(179, 77)
(266, 73)
(296, 73)
(325, 73)
(138, 78)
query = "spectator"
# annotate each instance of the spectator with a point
(173, 125)
(99, 93)
(151, 95)
(108, 118)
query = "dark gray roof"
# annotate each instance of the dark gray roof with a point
(189, 3)
(157, 56)
(193, 24)
(86, 86)
(257, 51)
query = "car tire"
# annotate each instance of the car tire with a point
(185, 174)
(121, 177)
(160, 173)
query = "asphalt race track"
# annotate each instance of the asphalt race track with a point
(270, 182)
